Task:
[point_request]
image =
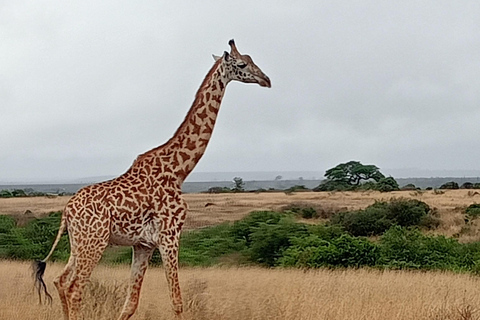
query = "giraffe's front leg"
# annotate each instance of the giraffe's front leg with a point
(169, 251)
(141, 256)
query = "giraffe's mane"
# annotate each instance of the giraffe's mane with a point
(197, 100)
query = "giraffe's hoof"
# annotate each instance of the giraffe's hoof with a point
(178, 309)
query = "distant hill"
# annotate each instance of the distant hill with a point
(279, 184)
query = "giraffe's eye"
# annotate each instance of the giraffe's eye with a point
(242, 65)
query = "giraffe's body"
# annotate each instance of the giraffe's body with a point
(144, 207)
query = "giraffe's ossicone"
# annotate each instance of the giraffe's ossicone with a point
(144, 208)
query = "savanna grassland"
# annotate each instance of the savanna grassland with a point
(266, 293)
(257, 293)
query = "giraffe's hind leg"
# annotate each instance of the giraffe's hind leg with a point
(61, 283)
(141, 256)
(85, 261)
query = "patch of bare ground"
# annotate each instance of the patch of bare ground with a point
(254, 293)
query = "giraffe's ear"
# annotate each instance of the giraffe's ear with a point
(226, 56)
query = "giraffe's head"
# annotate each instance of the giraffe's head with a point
(241, 67)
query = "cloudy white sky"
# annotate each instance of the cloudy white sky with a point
(87, 86)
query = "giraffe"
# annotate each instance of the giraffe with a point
(144, 208)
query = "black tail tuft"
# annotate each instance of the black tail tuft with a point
(38, 271)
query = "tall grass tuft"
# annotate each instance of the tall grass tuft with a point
(103, 300)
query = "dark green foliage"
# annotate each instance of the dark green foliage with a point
(368, 222)
(34, 240)
(343, 251)
(449, 185)
(387, 184)
(18, 193)
(332, 185)
(473, 210)
(408, 187)
(204, 247)
(296, 188)
(467, 185)
(243, 229)
(403, 248)
(306, 212)
(7, 223)
(219, 190)
(269, 240)
(379, 217)
(5, 194)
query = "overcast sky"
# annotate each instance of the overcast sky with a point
(87, 86)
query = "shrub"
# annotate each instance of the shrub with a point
(473, 210)
(379, 217)
(466, 185)
(368, 222)
(35, 240)
(386, 185)
(18, 193)
(332, 185)
(203, 247)
(343, 251)
(219, 190)
(268, 241)
(243, 229)
(304, 211)
(403, 248)
(5, 194)
(408, 187)
(406, 212)
(449, 185)
(7, 224)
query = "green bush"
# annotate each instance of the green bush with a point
(343, 251)
(449, 185)
(269, 240)
(204, 247)
(387, 185)
(403, 248)
(243, 229)
(368, 222)
(473, 210)
(379, 217)
(5, 194)
(333, 185)
(34, 240)
(306, 212)
(18, 193)
(408, 187)
(7, 224)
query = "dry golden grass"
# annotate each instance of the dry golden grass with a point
(254, 293)
(211, 209)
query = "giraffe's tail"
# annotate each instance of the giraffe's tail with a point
(40, 265)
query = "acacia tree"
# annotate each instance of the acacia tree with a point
(353, 173)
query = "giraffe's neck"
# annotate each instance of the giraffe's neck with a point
(181, 153)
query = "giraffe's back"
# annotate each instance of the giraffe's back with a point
(126, 210)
